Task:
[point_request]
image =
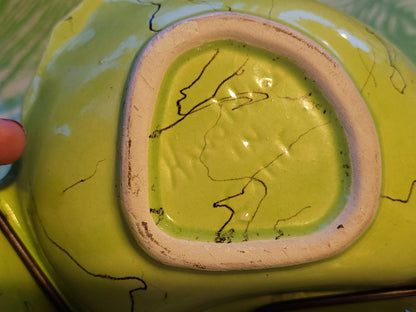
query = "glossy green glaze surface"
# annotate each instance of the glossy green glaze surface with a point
(267, 131)
(68, 185)
(18, 290)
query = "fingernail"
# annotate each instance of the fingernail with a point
(15, 122)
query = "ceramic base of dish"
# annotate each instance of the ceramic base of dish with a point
(244, 147)
(337, 88)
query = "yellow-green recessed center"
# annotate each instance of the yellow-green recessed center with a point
(244, 146)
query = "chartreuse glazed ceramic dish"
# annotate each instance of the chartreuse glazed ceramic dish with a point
(217, 156)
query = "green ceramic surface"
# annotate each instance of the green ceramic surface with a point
(25, 27)
(65, 203)
(18, 291)
(401, 304)
(233, 159)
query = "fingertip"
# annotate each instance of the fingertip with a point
(12, 141)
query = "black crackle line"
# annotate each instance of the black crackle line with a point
(42, 280)
(158, 7)
(279, 231)
(220, 236)
(406, 200)
(395, 70)
(182, 91)
(369, 70)
(248, 97)
(97, 275)
(299, 98)
(290, 146)
(256, 210)
(84, 179)
(271, 9)
(204, 103)
(226, 237)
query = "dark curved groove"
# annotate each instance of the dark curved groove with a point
(97, 275)
(35, 271)
(156, 133)
(409, 195)
(158, 6)
(247, 96)
(250, 99)
(369, 70)
(218, 237)
(291, 217)
(392, 63)
(84, 179)
(289, 148)
(351, 298)
(182, 91)
(245, 234)
(269, 15)
(241, 193)
(203, 151)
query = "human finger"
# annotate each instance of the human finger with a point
(12, 141)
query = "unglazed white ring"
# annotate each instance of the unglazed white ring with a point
(334, 83)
